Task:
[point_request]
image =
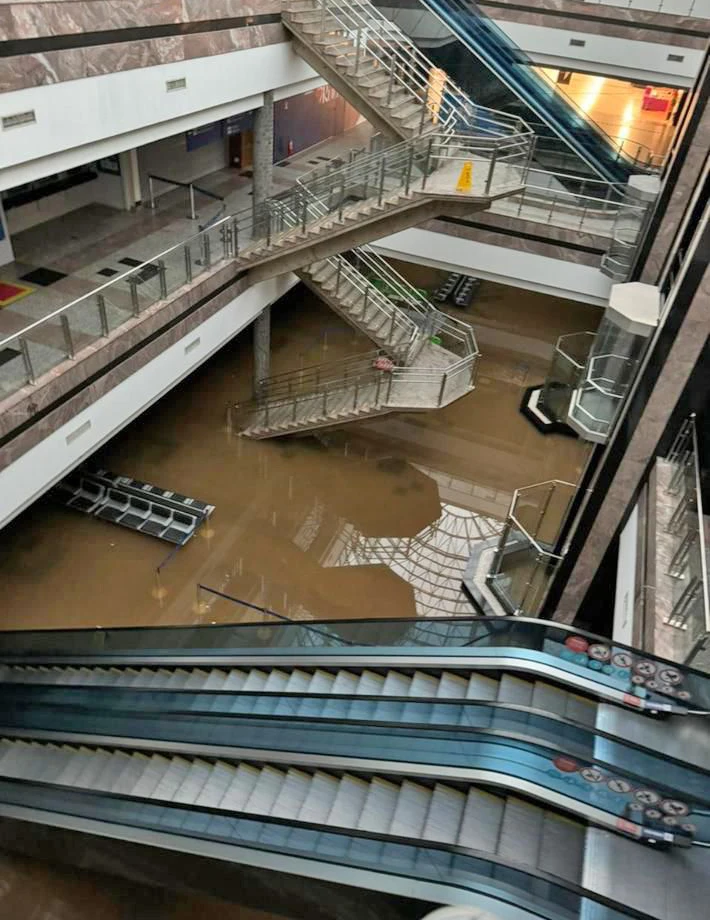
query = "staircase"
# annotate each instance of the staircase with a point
(330, 211)
(374, 65)
(503, 826)
(426, 359)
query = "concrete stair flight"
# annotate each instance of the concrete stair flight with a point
(380, 70)
(418, 684)
(463, 816)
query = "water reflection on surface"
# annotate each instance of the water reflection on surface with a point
(375, 519)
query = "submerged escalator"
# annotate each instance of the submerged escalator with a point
(498, 74)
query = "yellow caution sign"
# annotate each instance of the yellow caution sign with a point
(465, 182)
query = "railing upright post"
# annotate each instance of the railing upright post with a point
(337, 276)
(66, 331)
(162, 276)
(408, 175)
(425, 109)
(364, 304)
(442, 390)
(133, 284)
(304, 214)
(188, 263)
(324, 4)
(103, 317)
(235, 237)
(356, 393)
(268, 227)
(193, 216)
(427, 162)
(27, 361)
(491, 170)
(151, 192)
(382, 180)
(342, 199)
(358, 48)
(391, 82)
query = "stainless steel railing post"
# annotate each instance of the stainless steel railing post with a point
(193, 216)
(103, 318)
(66, 331)
(27, 361)
(382, 180)
(133, 284)
(162, 278)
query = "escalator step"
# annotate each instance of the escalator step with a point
(172, 779)
(444, 816)
(220, 778)
(349, 801)
(481, 687)
(521, 831)
(245, 779)
(378, 810)
(265, 791)
(193, 783)
(155, 769)
(396, 684)
(549, 698)
(562, 847)
(319, 800)
(255, 681)
(411, 809)
(481, 822)
(292, 795)
(514, 690)
(451, 687)
(370, 684)
(235, 680)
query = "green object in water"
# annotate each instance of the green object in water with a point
(435, 340)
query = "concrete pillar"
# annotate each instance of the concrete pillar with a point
(6, 253)
(262, 347)
(263, 150)
(262, 189)
(130, 179)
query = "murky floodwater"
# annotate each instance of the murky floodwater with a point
(376, 519)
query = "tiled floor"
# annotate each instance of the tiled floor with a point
(64, 259)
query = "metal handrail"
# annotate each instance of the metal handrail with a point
(412, 69)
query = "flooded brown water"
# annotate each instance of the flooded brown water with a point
(375, 519)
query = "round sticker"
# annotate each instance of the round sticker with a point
(637, 679)
(645, 667)
(652, 684)
(653, 813)
(670, 821)
(566, 764)
(592, 775)
(688, 828)
(674, 807)
(683, 695)
(671, 676)
(599, 652)
(619, 785)
(647, 796)
(622, 659)
(577, 644)
(635, 806)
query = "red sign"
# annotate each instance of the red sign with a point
(577, 644)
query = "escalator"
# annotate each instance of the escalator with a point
(502, 76)
(479, 784)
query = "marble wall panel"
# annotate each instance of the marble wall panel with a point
(599, 19)
(194, 10)
(31, 20)
(529, 237)
(22, 71)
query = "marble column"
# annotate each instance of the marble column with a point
(682, 177)
(6, 253)
(598, 529)
(130, 179)
(262, 189)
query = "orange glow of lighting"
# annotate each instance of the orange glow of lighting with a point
(589, 98)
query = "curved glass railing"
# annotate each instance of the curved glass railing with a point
(593, 664)
(612, 159)
(594, 791)
(448, 719)
(466, 872)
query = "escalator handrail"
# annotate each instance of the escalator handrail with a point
(544, 747)
(66, 793)
(505, 623)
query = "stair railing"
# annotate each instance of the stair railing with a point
(395, 324)
(378, 40)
